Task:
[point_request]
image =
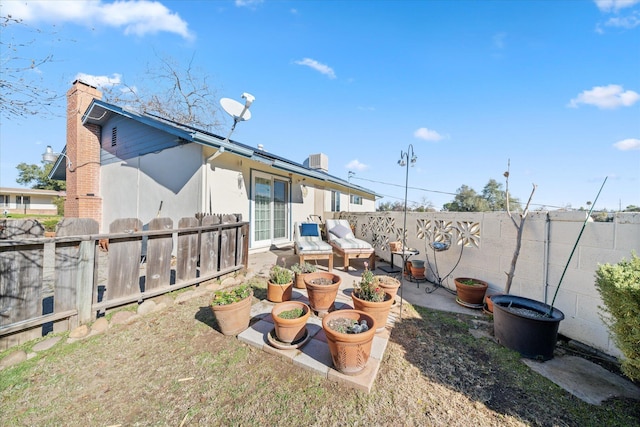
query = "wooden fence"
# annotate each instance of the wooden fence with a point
(56, 284)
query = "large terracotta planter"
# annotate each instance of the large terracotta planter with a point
(349, 352)
(279, 293)
(526, 326)
(471, 295)
(322, 296)
(389, 284)
(233, 318)
(378, 310)
(290, 330)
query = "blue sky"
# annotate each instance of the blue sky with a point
(554, 86)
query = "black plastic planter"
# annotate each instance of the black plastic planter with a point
(534, 337)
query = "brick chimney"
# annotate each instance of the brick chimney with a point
(83, 150)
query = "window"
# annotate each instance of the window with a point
(335, 201)
(4, 200)
(23, 200)
(356, 200)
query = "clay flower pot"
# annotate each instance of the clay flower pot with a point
(349, 352)
(322, 288)
(298, 281)
(290, 330)
(379, 310)
(389, 284)
(471, 294)
(233, 318)
(279, 293)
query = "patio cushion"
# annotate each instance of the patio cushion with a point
(352, 243)
(340, 231)
(311, 245)
(309, 229)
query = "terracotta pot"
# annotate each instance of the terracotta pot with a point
(349, 352)
(321, 296)
(389, 284)
(417, 272)
(290, 330)
(233, 318)
(378, 310)
(279, 293)
(470, 294)
(488, 303)
(298, 281)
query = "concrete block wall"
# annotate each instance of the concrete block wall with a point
(548, 240)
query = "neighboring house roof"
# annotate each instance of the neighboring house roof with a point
(31, 191)
(99, 112)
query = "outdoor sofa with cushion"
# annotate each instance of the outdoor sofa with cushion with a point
(346, 245)
(309, 244)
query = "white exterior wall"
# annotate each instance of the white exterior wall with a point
(135, 188)
(546, 245)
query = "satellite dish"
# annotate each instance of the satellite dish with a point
(238, 111)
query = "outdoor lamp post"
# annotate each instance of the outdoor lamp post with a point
(49, 156)
(406, 158)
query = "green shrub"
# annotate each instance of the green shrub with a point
(619, 287)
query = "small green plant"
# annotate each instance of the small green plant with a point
(303, 268)
(619, 287)
(348, 326)
(229, 296)
(368, 289)
(294, 313)
(280, 275)
(470, 282)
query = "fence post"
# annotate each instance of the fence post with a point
(84, 281)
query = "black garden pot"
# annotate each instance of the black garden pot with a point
(532, 334)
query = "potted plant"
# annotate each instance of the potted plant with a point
(470, 292)
(280, 283)
(322, 288)
(522, 324)
(290, 320)
(232, 309)
(389, 283)
(300, 270)
(369, 297)
(349, 336)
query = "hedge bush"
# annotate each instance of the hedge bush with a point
(619, 287)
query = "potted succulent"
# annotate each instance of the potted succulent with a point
(369, 297)
(290, 320)
(470, 292)
(279, 284)
(322, 289)
(349, 336)
(300, 270)
(232, 309)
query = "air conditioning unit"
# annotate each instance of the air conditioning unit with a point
(319, 161)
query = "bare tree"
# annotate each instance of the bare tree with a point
(181, 94)
(21, 90)
(519, 226)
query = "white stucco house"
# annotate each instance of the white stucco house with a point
(122, 164)
(28, 201)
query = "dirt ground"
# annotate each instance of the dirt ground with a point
(173, 368)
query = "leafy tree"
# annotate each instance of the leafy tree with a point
(467, 200)
(632, 208)
(38, 177)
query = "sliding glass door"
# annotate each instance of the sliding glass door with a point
(270, 210)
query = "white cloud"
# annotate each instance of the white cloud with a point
(248, 3)
(322, 68)
(499, 40)
(427, 134)
(628, 144)
(356, 165)
(100, 81)
(627, 22)
(134, 17)
(614, 5)
(606, 97)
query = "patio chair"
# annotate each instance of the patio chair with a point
(346, 245)
(309, 244)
